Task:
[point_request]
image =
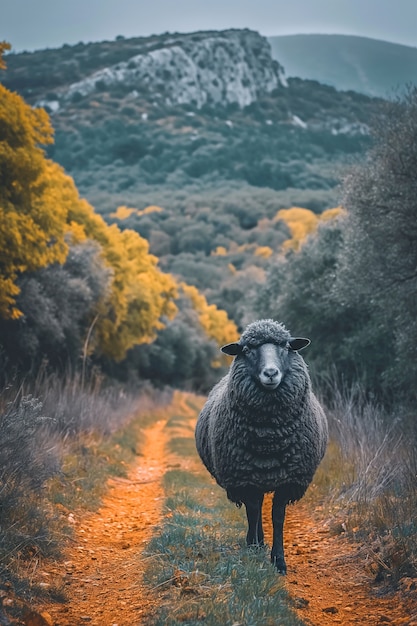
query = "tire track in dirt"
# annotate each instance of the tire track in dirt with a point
(104, 567)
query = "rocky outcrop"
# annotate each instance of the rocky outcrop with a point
(214, 68)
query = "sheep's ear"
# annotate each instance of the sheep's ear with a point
(232, 349)
(298, 343)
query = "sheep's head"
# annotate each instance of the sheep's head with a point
(265, 348)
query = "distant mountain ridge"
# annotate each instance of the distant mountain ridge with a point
(347, 62)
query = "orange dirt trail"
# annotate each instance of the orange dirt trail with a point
(329, 577)
(103, 568)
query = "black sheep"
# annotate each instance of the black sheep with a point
(262, 429)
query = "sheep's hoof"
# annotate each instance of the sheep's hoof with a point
(279, 564)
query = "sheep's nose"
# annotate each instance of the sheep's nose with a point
(270, 372)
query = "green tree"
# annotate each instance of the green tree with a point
(379, 264)
(301, 290)
(186, 352)
(58, 303)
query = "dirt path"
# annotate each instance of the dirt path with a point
(104, 567)
(103, 576)
(330, 580)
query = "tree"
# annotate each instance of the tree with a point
(4, 45)
(299, 291)
(302, 222)
(59, 303)
(139, 295)
(214, 321)
(42, 216)
(186, 352)
(379, 265)
(32, 224)
(181, 355)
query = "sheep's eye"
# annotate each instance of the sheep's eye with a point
(247, 349)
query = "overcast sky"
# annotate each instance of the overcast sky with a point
(36, 24)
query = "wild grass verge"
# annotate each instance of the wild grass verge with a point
(60, 440)
(368, 481)
(199, 564)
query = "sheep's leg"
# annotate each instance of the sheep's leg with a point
(255, 535)
(277, 553)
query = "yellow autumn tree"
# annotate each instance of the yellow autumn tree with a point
(263, 251)
(140, 294)
(330, 214)
(302, 222)
(214, 321)
(4, 45)
(123, 212)
(41, 215)
(32, 225)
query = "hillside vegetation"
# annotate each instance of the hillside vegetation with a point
(213, 185)
(218, 170)
(73, 287)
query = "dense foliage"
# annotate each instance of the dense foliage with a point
(71, 285)
(300, 288)
(33, 227)
(353, 285)
(119, 147)
(218, 174)
(379, 266)
(42, 215)
(217, 194)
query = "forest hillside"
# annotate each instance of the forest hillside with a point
(196, 150)
(163, 135)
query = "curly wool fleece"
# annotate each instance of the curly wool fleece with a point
(265, 331)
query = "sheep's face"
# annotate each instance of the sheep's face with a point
(267, 362)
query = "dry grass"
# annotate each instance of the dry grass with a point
(60, 440)
(368, 480)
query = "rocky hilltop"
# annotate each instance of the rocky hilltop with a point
(202, 108)
(206, 68)
(228, 67)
